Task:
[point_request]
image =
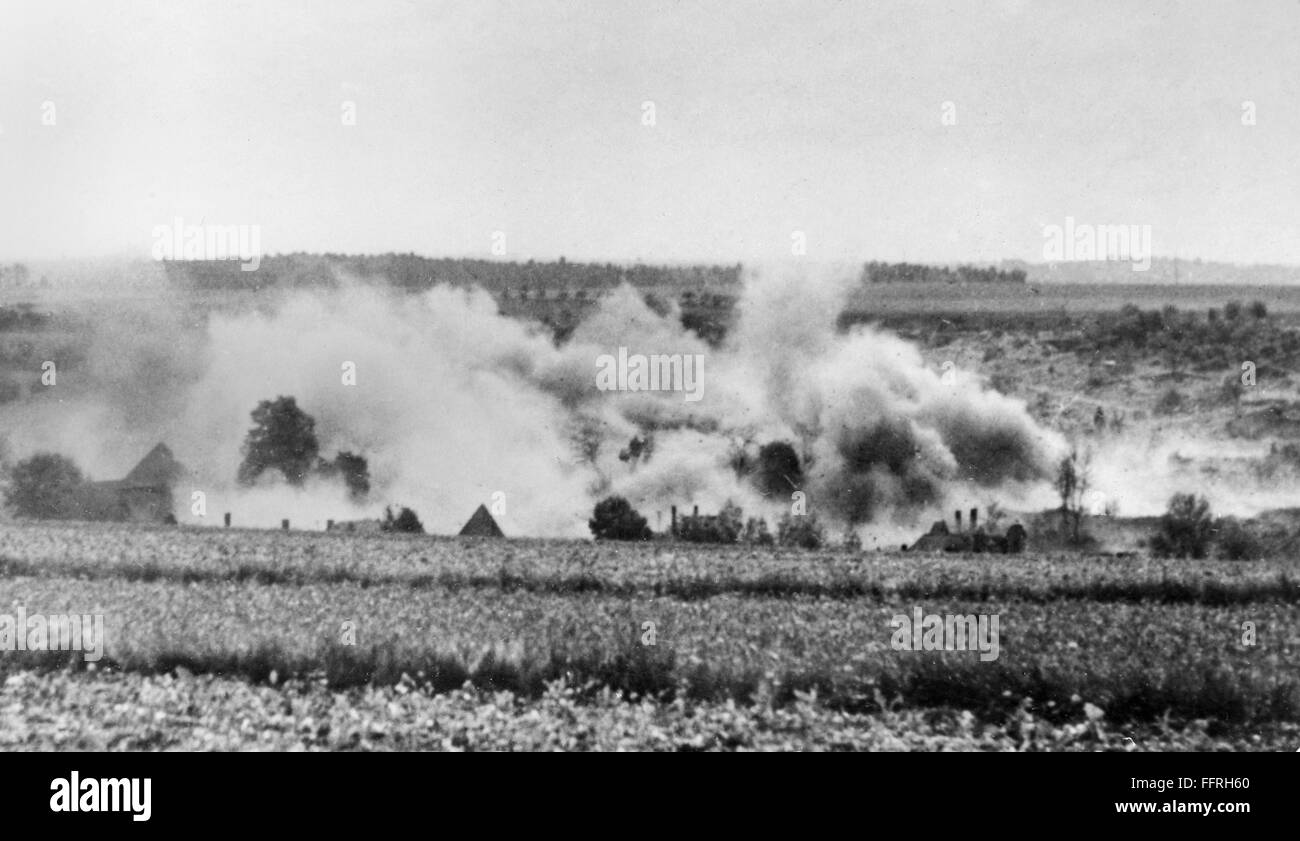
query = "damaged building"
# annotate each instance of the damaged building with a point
(143, 496)
(976, 538)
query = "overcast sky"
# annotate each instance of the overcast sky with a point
(769, 118)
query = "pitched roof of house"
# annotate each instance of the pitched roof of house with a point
(481, 524)
(159, 467)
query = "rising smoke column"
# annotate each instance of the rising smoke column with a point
(880, 431)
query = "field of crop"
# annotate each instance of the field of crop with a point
(272, 640)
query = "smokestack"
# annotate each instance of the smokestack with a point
(329, 525)
(974, 518)
(674, 526)
(284, 524)
(958, 519)
(696, 511)
(227, 519)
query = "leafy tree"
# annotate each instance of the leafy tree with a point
(1185, 528)
(283, 437)
(405, 521)
(44, 487)
(1072, 480)
(614, 518)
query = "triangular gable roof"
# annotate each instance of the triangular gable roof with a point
(481, 525)
(159, 467)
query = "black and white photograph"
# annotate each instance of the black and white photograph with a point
(660, 376)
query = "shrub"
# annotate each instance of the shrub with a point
(1235, 542)
(756, 533)
(614, 518)
(1185, 528)
(800, 530)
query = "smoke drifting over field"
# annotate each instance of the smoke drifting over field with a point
(454, 402)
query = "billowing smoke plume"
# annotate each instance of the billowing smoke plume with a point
(455, 405)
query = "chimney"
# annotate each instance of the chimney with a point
(974, 518)
(227, 519)
(674, 527)
(284, 524)
(329, 525)
(958, 519)
(696, 512)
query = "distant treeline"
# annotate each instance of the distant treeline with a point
(416, 273)
(917, 273)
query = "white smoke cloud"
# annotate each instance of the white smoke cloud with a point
(454, 402)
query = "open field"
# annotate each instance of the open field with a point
(1052, 299)
(239, 639)
(243, 639)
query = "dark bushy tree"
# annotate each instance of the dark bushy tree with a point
(1185, 528)
(283, 438)
(44, 487)
(405, 521)
(615, 519)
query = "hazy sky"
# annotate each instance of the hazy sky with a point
(770, 118)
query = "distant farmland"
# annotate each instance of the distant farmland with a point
(1054, 300)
